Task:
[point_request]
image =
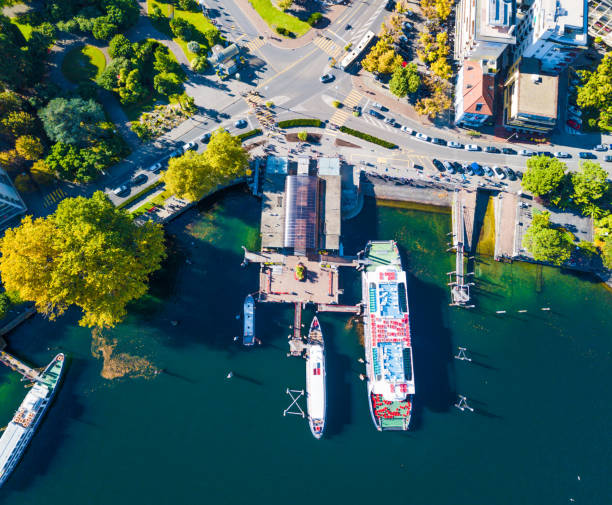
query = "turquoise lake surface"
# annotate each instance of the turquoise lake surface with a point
(539, 385)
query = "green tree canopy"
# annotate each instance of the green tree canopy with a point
(596, 92)
(72, 121)
(589, 184)
(167, 83)
(88, 254)
(120, 47)
(405, 80)
(546, 243)
(29, 147)
(19, 123)
(543, 175)
(192, 175)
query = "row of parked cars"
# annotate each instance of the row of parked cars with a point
(454, 167)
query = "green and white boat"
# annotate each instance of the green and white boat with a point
(20, 430)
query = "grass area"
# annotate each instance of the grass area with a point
(197, 19)
(140, 194)
(278, 19)
(83, 63)
(367, 137)
(158, 200)
(25, 28)
(290, 123)
(247, 135)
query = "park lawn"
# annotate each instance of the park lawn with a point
(279, 19)
(159, 200)
(25, 29)
(83, 63)
(197, 19)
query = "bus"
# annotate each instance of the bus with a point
(352, 56)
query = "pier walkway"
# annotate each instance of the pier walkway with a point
(18, 366)
(463, 203)
(326, 307)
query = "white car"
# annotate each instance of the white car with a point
(377, 105)
(499, 172)
(526, 152)
(422, 136)
(574, 110)
(155, 168)
(472, 147)
(389, 120)
(121, 190)
(562, 154)
(600, 147)
(407, 130)
(456, 145)
(190, 146)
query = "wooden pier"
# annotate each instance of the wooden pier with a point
(326, 307)
(460, 290)
(18, 366)
(296, 344)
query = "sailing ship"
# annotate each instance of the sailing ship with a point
(388, 348)
(248, 337)
(316, 398)
(20, 430)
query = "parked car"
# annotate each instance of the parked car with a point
(455, 145)
(407, 26)
(375, 113)
(389, 120)
(205, 138)
(574, 110)
(190, 146)
(608, 158)
(600, 147)
(241, 123)
(499, 172)
(477, 169)
(586, 156)
(438, 164)
(488, 171)
(548, 154)
(526, 152)
(155, 168)
(422, 136)
(325, 78)
(357, 110)
(491, 149)
(472, 147)
(407, 130)
(348, 27)
(378, 106)
(176, 152)
(511, 173)
(562, 154)
(507, 150)
(573, 124)
(121, 190)
(440, 142)
(468, 169)
(449, 167)
(576, 118)
(139, 179)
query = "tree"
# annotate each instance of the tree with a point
(167, 83)
(19, 123)
(303, 136)
(405, 80)
(188, 5)
(606, 252)
(72, 121)
(284, 4)
(120, 47)
(72, 164)
(10, 160)
(108, 79)
(164, 61)
(88, 254)
(103, 29)
(29, 147)
(546, 243)
(589, 184)
(129, 87)
(194, 47)
(9, 102)
(596, 92)
(543, 175)
(192, 175)
(16, 67)
(382, 58)
(199, 63)
(182, 29)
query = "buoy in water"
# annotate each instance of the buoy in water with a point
(174, 323)
(237, 316)
(362, 377)
(236, 339)
(361, 360)
(230, 375)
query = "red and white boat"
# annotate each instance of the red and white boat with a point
(316, 400)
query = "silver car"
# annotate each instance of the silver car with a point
(422, 136)
(562, 154)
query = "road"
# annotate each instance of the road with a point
(289, 77)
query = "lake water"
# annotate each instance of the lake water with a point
(539, 434)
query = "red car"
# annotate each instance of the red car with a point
(572, 124)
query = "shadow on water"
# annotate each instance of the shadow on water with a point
(353, 229)
(432, 346)
(246, 378)
(50, 434)
(338, 370)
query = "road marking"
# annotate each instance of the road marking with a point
(54, 197)
(328, 46)
(341, 115)
(255, 44)
(286, 69)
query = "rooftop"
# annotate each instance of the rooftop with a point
(567, 18)
(495, 21)
(478, 88)
(536, 93)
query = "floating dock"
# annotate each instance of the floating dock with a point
(13, 363)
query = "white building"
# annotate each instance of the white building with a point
(600, 20)
(554, 32)
(483, 30)
(11, 204)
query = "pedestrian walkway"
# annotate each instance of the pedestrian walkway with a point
(54, 197)
(255, 44)
(329, 47)
(341, 115)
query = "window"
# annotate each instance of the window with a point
(478, 107)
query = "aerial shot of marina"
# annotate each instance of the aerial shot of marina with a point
(242, 240)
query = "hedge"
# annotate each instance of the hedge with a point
(146, 190)
(249, 134)
(300, 122)
(369, 138)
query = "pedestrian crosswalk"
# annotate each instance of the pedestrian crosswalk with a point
(54, 197)
(255, 44)
(341, 115)
(329, 47)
